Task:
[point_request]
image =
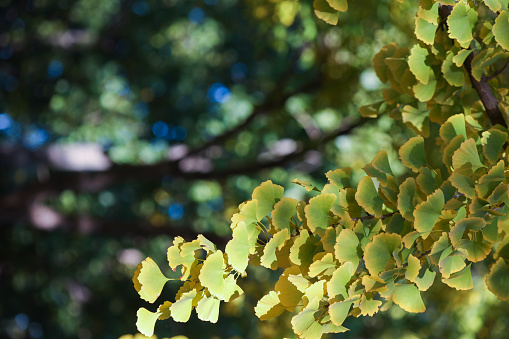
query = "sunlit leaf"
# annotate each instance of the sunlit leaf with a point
(340, 177)
(146, 321)
(339, 311)
(150, 280)
(378, 253)
(417, 64)
(325, 266)
(412, 153)
(181, 309)
(340, 278)
(346, 247)
(340, 5)
(267, 194)
(498, 279)
(369, 306)
(238, 247)
(269, 259)
(269, 306)
(427, 213)
(461, 22)
(368, 198)
(466, 158)
(208, 309)
(325, 12)
(317, 212)
(461, 280)
(493, 142)
(501, 29)
(408, 297)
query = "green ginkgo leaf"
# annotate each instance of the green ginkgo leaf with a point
(428, 180)
(490, 181)
(181, 309)
(325, 12)
(208, 309)
(472, 223)
(367, 197)
(459, 59)
(425, 281)
(417, 64)
(316, 290)
(406, 198)
(306, 184)
(238, 247)
(501, 30)
(146, 321)
(340, 278)
(324, 266)
(408, 297)
(317, 212)
(339, 311)
(269, 259)
(461, 22)
(267, 195)
(452, 73)
(412, 153)
(346, 247)
(269, 306)
(149, 280)
(466, 158)
(303, 250)
(371, 110)
(439, 247)
(340, 177)
(212, 274)
(381, 162)
(494, 5)
(476, 250)
(427, 213)
(425, 31)
(340, 5)
(493, 142)
(369, 307)
(463, 184)
(451, 262)
(498, 279)
(413, 268)
(423, 93)
(378, 252)
(304, 324)
(461, 280)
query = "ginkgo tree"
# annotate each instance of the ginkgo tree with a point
(354, 251)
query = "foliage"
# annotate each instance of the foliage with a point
(350, 252)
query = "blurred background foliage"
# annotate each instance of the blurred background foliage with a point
(124, 123)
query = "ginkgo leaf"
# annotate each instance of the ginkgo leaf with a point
(164, 309)
(425, 31)
(239, 246)
(460, 58)
(439, 247)
(346, 247)
(289, 295)
(149, 279)
(267, 194)
(450, 148)
(413, 268)
(368, 198)
(269, 306)
(283, 213)
(417, 64)
(372, 110)
(340, 177)
(306, 184)
(208, 309)
(299, 282)
(412, 153)
(428, 180)
(303, 250)
(423, 93)
(452, 73)
(461, 280)
(501, 30)
(269, 259)
(451, 262)
(340, 278)
(374, 284)
(181, 309)
(461, 22)
(408, 297)
(369, 306)
(146, 321)
(339, 311)
(463, 183)
(317, 212)
(316, 290)
(494, 5)
(340, 5)
(466, 158)
(427, 213)
(324, 266)
(425, 281)
(493, 142)
(490, 181)
(325, 12)
(406, 196)
(472, 223)
(378, 252)
(476, 250)
(212, 274)
(381, 162)
(206, 244)
(305, 321)
(498, 279)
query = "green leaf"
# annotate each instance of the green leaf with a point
(367, 197)
(406, 198)
(459, 59)
(269, 259)
(425, 31)
(181, 309)
(267, 195)
(490, 181)
(466, 158)
(494, 5)
(182, 253)
(427, 213)
(269, 306)
(289, 295)
(369, 306)
(340, 278)
(302, 250)
(458, 230)
(340, 5)
(378, 252)
(417, 64)
(304, 323)
(372, 110)
(425, 281)
(461, 280)
(408, 297)
(317, 212)
(452, 73)
(438, 248)
(428, 180)
(306, 184)
(498, 279)
(451, 262)
(212, 274)
(450, 148)
(414, 265)
(339, 311)
(461, 22)
(324, 266)
(381, 162)
(238, 248)
(208, 309)
(325, 12)
(493, 142)
(423, 93)
(477, 250)
(146, 321)
(346, 247)
(340, 177)
(412, 153)
(149, 280)
(463, 183)
(501, 30)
